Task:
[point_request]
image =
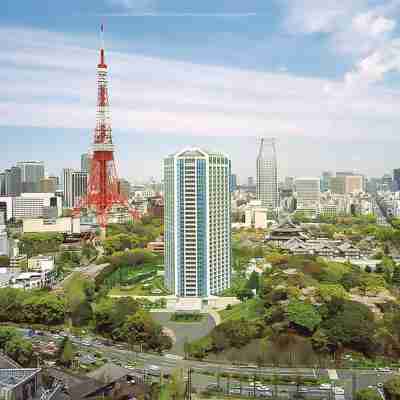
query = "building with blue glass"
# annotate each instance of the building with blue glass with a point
(197, 223)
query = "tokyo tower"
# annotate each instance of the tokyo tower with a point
(103, 188)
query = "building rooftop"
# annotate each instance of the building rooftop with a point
(10, 378)
(196, 152)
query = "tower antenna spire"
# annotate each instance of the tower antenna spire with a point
(103, 184)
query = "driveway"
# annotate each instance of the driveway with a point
(184, 331)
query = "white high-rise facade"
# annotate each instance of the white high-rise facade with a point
(308, 194)
(74, 187)
(267, 175)
(197, 223)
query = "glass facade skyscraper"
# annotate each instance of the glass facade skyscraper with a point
(197, 223)
(31, 174)
(267, 175)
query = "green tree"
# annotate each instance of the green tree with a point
(396, 276)
(43, 308)
(303, 314)
(254, 281)
(353, 325)
(176, 386)
(140, 328)
(6, 334)
(110, 314)
(392, 388)
(20, 350)
(66, 352)
(4, 261)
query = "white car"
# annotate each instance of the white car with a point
(303, 390)
(262, 388)
(385, 369)
(325, 386)
(338, 390)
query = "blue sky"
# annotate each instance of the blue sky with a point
(321, 77)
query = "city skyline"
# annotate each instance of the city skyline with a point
(250, 82)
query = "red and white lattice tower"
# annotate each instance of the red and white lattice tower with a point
(103, 188)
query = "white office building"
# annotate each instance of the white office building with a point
(197, 223)
(308, 195)
(267, 175)
(74, 187)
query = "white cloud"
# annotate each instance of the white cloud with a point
(131, 4)
(364, 32)
(374, 67)
(49, 81)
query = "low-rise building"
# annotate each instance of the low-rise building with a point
(285, 232)
(19, 261)
(156, 247)
(330, 249)
(57, 225)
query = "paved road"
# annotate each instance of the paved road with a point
(206, 373)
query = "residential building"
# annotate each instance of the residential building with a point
(74, 187)
(308, 194)
(267, 175)
(31, 174)
(197, 223)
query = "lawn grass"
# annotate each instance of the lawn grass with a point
(249, 310)
(156, 282)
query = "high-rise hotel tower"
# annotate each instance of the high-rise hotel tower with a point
(197, 223)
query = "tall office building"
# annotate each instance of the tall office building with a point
(338, 184)
(85, 162)
(396, 179)
(326, 181)
(31, 174)
(354, 184)
(267, 175)
(49, 185)
(124, 188)
(2, 184)
(308, 194)
(197, 223)
(234, 182)
(344, 173)
(250, 181)
(74, 187)
(387, 183)
(11, 182)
